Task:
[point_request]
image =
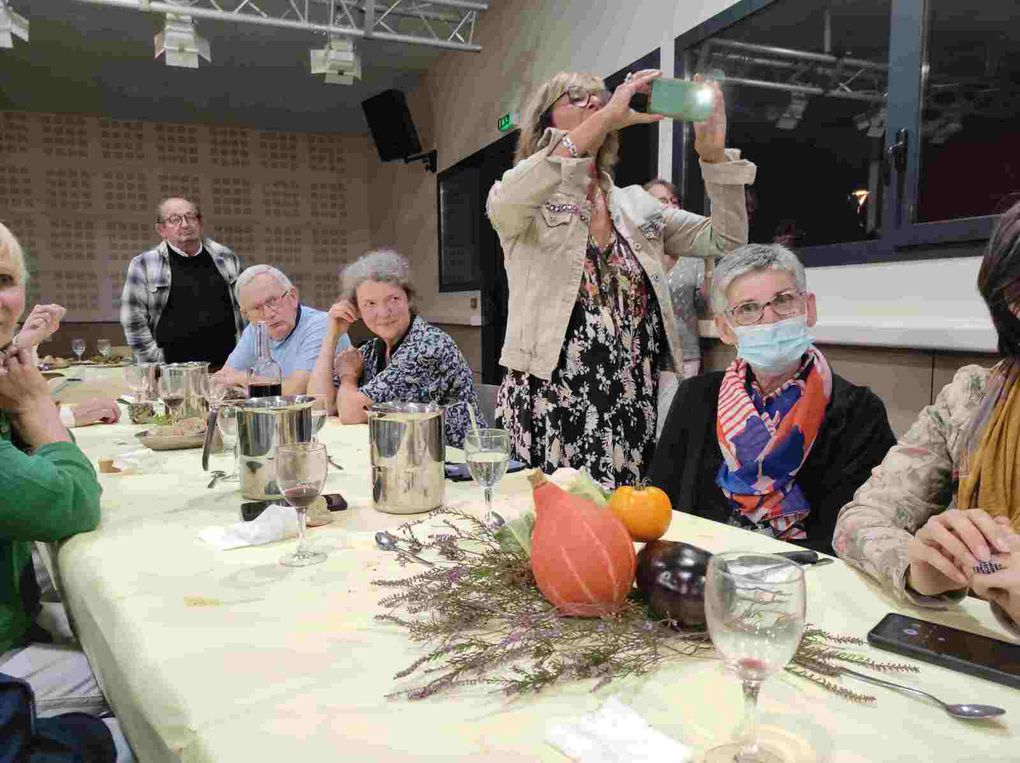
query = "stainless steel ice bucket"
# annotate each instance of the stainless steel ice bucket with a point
(407, 451)
(262, 424)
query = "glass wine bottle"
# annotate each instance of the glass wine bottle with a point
(265, 379)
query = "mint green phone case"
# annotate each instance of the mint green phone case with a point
(681, 99)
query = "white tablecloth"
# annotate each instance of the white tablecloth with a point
(226, 656)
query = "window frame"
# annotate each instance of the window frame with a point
(901, 239)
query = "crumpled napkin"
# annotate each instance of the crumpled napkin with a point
(140, 461)
(614, 733)
(275, 523)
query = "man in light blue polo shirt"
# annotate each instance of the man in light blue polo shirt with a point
(264, 293)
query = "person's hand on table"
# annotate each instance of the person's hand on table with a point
(944, 552)
(348, 363)
(1003, 587)
(228, 377)
(98, 410)
(40, 325)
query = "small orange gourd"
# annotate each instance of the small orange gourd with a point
(582, 555)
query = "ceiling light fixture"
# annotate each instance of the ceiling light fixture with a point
(339, 61)
(11, 25)
(181, 42)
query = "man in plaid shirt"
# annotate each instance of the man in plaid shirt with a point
(179, 301)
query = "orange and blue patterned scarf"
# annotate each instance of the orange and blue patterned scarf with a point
(764, 443)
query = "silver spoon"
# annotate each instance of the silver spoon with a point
(388, 542)
(496, 521)
(965, 711)
(217, 475)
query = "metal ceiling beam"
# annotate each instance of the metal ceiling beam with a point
(415, 28)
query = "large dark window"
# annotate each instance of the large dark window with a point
(882, 129)
(970, 133)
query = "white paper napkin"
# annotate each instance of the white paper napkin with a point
(275, 523)
(614, 733)
(140, 461)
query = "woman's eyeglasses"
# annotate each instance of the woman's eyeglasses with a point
(581, 96)
(784, 304)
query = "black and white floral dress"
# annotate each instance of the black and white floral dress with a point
(425, 366)
(598, 410)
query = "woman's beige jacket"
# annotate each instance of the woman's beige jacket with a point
(541, 212)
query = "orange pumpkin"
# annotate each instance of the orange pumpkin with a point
(581, 554)
(646, 511)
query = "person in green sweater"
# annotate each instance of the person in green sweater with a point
(48, 492)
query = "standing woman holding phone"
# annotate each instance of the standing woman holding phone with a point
(586, 263)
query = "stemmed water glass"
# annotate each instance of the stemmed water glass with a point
(78, 347)
(104, 347)
(487, 452)
(137, 379)
(301, 473)
(173, 389)
(226, 423)
(754, 605)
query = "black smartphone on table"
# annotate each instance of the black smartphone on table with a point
(251, 509)
(947, 647)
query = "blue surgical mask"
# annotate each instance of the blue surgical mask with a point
(773, 347)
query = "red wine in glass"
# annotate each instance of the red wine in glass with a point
(301, 496)
(263, 389)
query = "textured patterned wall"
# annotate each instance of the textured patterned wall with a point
(80, 193)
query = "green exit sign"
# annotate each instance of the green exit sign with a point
(507, 122)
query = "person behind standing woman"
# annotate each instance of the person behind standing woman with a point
(586, 262)
(179, 301)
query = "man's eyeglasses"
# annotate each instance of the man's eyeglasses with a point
(175, 220)
(581, 96)
(273, 303)
(784, 304)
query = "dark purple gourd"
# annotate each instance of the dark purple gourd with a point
(671, 577)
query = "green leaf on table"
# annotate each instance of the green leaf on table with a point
(517, 534)
(584, 486)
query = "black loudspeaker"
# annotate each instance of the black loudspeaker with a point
(391, 125)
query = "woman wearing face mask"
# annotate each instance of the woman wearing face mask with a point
(585, 336)
(776, 443)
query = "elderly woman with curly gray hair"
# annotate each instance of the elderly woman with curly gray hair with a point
(409, 359)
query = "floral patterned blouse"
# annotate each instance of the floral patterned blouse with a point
(425, 367)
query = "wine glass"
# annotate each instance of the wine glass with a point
(78, 347)
(137, 379)
(104, 346)
(173, 389)
(487, 452)
(754, 605)
(320, 410)
(301, 473)
(226, 423)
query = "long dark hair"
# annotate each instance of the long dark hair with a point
(999, 281)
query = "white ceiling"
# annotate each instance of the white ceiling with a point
(89, 59)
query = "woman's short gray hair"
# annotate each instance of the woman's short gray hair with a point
(383, 265)
(250, 274)
(752, 258)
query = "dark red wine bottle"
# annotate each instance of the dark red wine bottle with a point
(265, 377)
(257, 389)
